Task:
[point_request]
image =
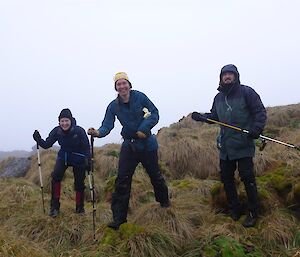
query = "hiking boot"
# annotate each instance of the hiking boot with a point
(115, 225)
(53, 213)
(80, 209)
(250, 220)
(54, 207)
(165, 204)
(235, 215)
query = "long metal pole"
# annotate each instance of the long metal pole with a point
(40, 175)
(91, 184)
(261, 136)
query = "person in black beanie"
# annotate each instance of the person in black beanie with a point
(74, 151)
(237, 105)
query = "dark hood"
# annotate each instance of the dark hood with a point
(230, 68)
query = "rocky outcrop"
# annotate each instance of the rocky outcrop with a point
(14, 167)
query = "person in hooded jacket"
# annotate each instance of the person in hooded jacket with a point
(74, 151)
(240, 106)
(137, 115)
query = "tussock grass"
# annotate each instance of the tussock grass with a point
(194, 208)
(19, 247)
(106, 160)
(190, 184)
(284, 116)
(277, 228)
(133, 240)
(178, 225)
(142, 189)
(189, 151)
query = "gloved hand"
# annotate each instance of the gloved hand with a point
(141, 134)
(198, 117)
(93, 132)
(36, 136)
(254, 133)
(88, 164)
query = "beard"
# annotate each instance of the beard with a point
(227, 84)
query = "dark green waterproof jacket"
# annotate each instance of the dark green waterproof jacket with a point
(240, 106)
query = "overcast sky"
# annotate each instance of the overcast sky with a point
(63, 53)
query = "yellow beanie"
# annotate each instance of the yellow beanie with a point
(121, 75)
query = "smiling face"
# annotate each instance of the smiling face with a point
(65, 123)
(123, 88)
(228, 78)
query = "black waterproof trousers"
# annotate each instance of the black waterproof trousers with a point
(246, 172)
(129, 159)
(57, 176)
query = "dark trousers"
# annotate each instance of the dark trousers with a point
(129, 159)
(246, 171)
(57, 176)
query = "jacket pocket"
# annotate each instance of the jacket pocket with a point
(238, 141)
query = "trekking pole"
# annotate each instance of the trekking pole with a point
(40, 175)
(91, 185)
(247, 132)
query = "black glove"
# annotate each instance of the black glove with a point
(36, 136)
(198, 117)
(88, 164)
(254, 133)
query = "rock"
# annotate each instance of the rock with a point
(15, 167)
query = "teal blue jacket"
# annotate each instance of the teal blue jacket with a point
(131, 117)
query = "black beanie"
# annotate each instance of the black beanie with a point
(65, 113)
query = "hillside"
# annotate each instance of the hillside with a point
(18, 154)
(195, 225)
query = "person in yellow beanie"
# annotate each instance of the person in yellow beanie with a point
(137, 115)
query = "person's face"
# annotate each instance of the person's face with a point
(228, 78)
(123, 87)
(65, 123)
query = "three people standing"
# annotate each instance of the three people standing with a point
(235, 104)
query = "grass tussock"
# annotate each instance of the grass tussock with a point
(19, 247)
(178, 225)
(133, 240)
(185, 153)
(141, 190)
(278, 228)
(106, 160)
